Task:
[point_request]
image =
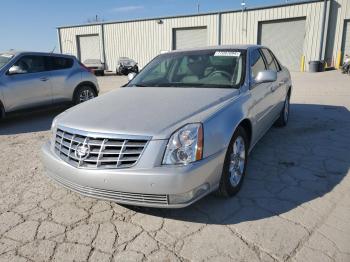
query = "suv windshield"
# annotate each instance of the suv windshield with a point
(4, 59)
(209, 68)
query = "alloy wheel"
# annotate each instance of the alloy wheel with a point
(86, 95)
(237, 161)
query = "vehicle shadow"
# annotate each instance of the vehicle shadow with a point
(31, 121)
(288, 169)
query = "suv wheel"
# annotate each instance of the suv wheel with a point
(83, 94)
(2, 112)
(235, 164)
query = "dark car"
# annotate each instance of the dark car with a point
(126, 65)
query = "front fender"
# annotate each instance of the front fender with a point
(219, 128)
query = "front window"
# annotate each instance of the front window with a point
(271, 64)
(31, 64)
(209, 68)
(4, 59)
(257, 63)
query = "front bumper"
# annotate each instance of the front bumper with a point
(152, 187)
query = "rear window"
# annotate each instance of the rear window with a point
(58, 63)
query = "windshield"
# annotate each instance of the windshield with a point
(209, 68)
(4, 59)
(126, 61)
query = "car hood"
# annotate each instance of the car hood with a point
(155, 112)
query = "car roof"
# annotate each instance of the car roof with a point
(16, 53)
(217, 47)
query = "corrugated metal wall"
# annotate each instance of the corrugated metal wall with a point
(286, 40)
(143, 40)
(242, 28)
(340, 12)
(69, 36)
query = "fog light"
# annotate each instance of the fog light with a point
(188, 196)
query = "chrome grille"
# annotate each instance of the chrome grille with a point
(97, 152)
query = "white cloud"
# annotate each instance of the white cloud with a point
(127, 8)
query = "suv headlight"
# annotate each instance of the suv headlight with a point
(185, 145)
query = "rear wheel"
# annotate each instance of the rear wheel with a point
(83, 94)
(235, 164)
(284, 115)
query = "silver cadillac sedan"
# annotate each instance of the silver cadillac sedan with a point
(179, 130)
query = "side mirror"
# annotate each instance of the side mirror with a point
(131, 76)
(266, 76)
(15, 70)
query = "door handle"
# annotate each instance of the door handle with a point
(44, 79)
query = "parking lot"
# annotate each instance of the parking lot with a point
(294, 204)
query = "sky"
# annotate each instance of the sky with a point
(31, 24)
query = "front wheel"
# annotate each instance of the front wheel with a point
(235, 164)
(83, 94)
(2, 112)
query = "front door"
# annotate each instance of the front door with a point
(262, 101)
(29, 88)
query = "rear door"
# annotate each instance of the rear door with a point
(63, 77)
(30, 88)
(262, 100)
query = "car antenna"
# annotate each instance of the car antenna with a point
(53, 50)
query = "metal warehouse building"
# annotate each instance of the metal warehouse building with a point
(297, 33)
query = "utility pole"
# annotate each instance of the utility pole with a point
(198, 5)
(243, 8)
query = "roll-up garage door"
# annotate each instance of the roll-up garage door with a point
(89, 47)
(346, 39)
(286, 40)
(190, 37)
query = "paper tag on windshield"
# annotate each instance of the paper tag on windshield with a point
(227, 53)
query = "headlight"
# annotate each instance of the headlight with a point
(53, 132)
(185, 145)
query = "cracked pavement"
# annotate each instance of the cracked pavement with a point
(294, 204)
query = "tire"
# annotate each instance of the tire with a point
(284, 115)
(83, 94)
(235, 160)
(2, 112)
